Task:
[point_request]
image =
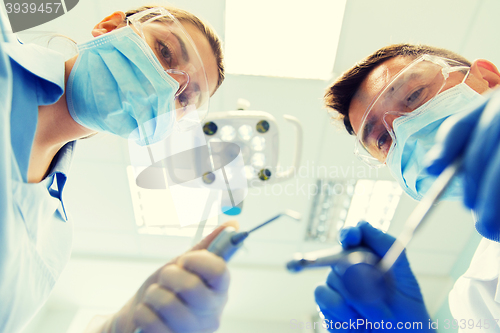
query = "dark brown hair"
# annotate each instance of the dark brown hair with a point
(338, 96)
(205, 29)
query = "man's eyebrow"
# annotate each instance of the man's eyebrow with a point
(184, 51)
(404, 80)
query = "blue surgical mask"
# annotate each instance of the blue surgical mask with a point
(117, 85)
(415, 135)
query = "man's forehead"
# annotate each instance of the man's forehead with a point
(375, 81)
(379, 77)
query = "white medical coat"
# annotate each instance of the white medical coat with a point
(476, 294)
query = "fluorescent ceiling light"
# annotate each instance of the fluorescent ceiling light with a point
(374, 202)
(343, 203)
(284, 38)
(156, 214)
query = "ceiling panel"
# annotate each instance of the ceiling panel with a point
(369, 25)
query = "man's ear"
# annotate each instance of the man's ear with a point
(110, 23)
(486, 71)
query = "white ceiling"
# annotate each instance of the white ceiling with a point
(466, 27)
(98, 195)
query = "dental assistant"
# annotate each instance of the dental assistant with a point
(415, 109)
(142, 72)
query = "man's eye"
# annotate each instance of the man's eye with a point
(414, 98)
(383, 140)
(183, 100)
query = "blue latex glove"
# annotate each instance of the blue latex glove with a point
(475, 136)
(403, 302)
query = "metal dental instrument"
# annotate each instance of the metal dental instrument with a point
(327, 257)
(419, 214)
(229, 241)
(417, 217)
(348, 264)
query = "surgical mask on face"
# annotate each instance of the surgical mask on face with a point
(415, 135)
(117, 85)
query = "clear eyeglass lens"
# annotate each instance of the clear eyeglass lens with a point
(177, 54)
(410, 90)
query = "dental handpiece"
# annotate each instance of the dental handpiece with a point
(329, 257)
(348, 264)
(229, 241)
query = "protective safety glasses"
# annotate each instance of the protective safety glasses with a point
(177, 53)
(410, 90)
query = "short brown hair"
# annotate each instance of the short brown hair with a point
(338, 96)
(205, 29)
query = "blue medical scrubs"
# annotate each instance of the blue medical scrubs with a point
(35, 234)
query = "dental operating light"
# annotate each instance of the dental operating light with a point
(257, 135)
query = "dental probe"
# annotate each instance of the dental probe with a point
(419, 214)
(229, 241)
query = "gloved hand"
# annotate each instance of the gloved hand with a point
(475, 136)
(186, 295)
(402, 304)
